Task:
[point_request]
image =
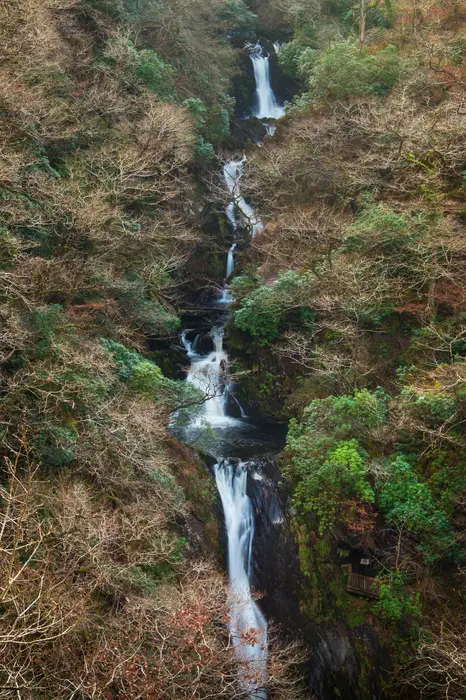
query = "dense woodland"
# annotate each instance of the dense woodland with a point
(348, 324)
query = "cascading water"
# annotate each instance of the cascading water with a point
(209, 374)
(230, 261)
(248, 626)
(266, 105)
(232, 172)
(225, 298)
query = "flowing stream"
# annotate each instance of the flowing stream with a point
(209, 373)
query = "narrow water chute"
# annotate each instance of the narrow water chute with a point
(248, 626)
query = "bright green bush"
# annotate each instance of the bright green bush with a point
(348, 416)
(394, 603)
(262, 311)
(155, 74)
(407, 502)
(259, 315)
(297, 60)
(329, 473)
(146, 378)
(347, 69)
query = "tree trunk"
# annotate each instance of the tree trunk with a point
(362, 36)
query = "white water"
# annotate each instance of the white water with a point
(209, 374)
(230, 261)
(232, 173)
(248, 626)
(225, 297)
(189, 346)
(266, 105)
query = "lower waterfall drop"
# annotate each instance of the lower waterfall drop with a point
(248, 626)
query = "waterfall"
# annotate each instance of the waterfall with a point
(230, 261)
(189, 346)
(232, 172)
(225, 298)
(248, 626)
(267, 106)
(208, 374)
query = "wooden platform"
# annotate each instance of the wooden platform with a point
(361, 585)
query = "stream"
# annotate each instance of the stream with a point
(223, 428)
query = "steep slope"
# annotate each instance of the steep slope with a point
(350, 319)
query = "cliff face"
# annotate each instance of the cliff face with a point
(304, 593)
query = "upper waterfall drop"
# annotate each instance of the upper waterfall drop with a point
(266, 106)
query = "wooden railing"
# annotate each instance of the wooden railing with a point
(362, 585)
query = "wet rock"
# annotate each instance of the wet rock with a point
(344, 662)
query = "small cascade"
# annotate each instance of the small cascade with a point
(189, 346)
(232, 172)
(243, 413)
(266, 105)
(230, 261)
(225, 298)
(248, 626)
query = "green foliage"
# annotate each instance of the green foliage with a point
(346, 70)
(394, 603)
(434, 408)
(262, 311)
(297, 61)
(155, 74)
(124, 359)
(55, 446)
(236, 20)
(327, 459)
(407, 502)
(45, 323)
(329, 472)
(146, 378)
(349, 415)
(213, 125)
(143, 67)
(259, 315)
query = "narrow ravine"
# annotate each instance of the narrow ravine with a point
(233, 433)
